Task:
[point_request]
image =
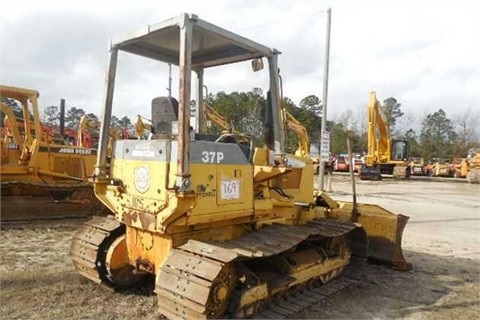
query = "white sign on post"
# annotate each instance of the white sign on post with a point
(325, 146)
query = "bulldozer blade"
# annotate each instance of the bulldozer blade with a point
(384, 231)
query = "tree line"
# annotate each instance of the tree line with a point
(51, 117)
(439, 136)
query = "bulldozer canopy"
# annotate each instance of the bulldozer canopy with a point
(211, 45)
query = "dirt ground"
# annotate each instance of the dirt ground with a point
(441, 240)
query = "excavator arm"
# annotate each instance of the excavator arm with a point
(293, 124)
(379, 142)
(84, 138)
(141, 126)
(219, 120)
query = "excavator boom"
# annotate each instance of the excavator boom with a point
(302, 134)
(219, 120)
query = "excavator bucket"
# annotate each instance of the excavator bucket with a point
(384, 229)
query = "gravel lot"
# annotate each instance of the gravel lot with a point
(441, 240)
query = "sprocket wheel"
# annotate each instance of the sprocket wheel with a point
(220, 292)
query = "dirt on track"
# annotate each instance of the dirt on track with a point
(441, 240)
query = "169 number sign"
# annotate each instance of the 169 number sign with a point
(230, 189)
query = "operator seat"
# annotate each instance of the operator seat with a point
(164, 112)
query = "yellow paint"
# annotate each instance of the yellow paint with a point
(265, 194)
(155, 247)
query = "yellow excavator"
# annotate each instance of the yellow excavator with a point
(215, 117)
(85, 138)
(143, 127)
(385, 155)
(303, 149)
(291, 123)
(227, 229)
(41, 179)
(84, 133)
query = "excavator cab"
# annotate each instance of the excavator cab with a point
(399, 150)
(224, 230)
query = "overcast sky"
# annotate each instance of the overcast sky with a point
(426, 54)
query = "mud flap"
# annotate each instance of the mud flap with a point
(384, 230)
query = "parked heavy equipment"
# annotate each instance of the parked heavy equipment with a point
(460, 167)
(303, 149)
(143, 128)
(341, 163)
(429, 165)
(210, 114)
(473, 160)
(87, 134)
(86, 127)
(441, 168)
(385, 155)
(417, 166)
(226, 228)
(41, 179)
(357, 163)
(13, 128)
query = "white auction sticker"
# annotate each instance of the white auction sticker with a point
(230, 189)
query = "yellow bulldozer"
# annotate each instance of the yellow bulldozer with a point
(40, 178)
(225, 227)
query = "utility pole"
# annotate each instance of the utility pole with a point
(325, 96)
